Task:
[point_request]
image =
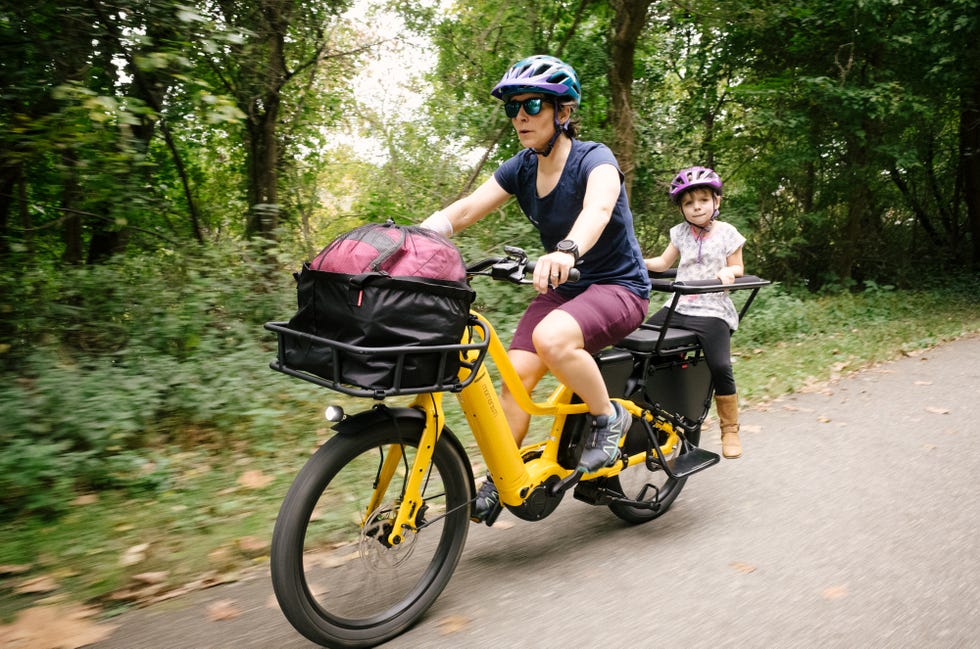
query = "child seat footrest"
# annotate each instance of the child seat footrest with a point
(696, 459)
(690, 459)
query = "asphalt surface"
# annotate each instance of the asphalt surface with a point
(851, 521)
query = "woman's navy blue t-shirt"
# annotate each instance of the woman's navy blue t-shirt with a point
(616, 257)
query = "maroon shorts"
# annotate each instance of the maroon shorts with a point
(606, 313)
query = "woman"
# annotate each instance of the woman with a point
(573, 193)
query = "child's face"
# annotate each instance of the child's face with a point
(698, 205)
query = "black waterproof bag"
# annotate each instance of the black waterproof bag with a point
(375, 329)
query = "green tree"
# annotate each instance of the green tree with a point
(284, 43)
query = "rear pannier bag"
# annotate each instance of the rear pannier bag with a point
(381, 286)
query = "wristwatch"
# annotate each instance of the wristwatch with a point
(569, 246)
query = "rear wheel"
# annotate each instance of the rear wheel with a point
(337, 579)
(645, 482)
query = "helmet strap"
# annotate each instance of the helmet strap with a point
(702, 231)
(559, 129)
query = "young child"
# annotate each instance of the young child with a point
(708, 249)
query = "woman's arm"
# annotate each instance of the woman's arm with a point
(466, 211)
(601, 194)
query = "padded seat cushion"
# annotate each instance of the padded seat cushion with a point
(645, 339)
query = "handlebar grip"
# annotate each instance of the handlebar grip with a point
(573, 275)
(744, 279)
(699, 286)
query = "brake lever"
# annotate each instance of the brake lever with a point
(514, 271)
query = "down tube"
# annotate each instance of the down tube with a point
(485, 415)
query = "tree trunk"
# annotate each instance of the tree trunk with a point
(263, 177)
(861, 227)
(262, 108)
(970, 162)
(630, 18)
(72, 231)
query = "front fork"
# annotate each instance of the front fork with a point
(411, 498)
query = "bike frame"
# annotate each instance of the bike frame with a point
(514, 478)
(404, 471)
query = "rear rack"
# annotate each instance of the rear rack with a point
(665, 339)
(470, 355)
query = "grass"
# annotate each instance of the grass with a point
(842, 333)
(215, 514)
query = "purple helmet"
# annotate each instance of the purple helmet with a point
(694, 177)
(540, 73)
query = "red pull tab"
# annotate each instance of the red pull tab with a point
(360, 297)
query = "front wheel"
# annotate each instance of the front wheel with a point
(337, 579)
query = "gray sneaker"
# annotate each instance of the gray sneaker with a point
(602, 444)
(486, 505)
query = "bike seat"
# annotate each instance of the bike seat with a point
(647, 337)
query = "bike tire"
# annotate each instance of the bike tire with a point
(336, 582)
(632, 481)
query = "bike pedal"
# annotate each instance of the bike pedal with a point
(493, 514)
(593, 493)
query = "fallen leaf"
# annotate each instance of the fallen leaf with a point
(835, 592)
(252, 546)
(34, 585)
(254, 479)
(937, 411)
(14, 569)
(452, 624)
(222, 557)
(743, 568)
(923, 383)
(134, 555)
(152, 577)
(223, 609)
(54, 627)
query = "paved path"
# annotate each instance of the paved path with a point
(851, 521)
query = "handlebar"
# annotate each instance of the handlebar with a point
(573, 273)
(697, 286)
(514, 268)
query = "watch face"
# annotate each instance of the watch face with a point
(567, 245)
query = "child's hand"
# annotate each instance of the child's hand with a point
(726, 275)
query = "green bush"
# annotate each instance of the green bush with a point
(108, 362)
(106, 368)
(774, 315)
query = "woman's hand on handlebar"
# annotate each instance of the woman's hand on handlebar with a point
(552, 270)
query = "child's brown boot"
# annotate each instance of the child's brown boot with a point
(727, 407)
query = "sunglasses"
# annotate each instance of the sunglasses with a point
(531, 106)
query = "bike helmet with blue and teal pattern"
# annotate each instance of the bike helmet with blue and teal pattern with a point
(540, 73)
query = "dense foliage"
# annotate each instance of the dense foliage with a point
(165, 165)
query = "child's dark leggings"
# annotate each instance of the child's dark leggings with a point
(716, 340)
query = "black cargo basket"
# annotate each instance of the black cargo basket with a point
(404, 369)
